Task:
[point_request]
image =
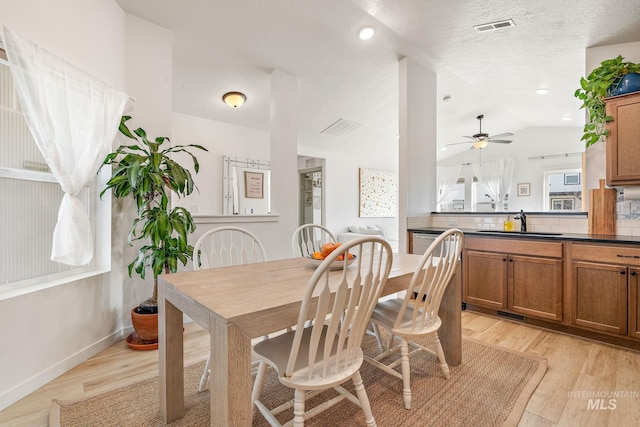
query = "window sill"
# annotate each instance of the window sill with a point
(24, 287)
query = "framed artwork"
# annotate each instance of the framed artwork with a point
(254, 185)
(378, 194)
(524, 189)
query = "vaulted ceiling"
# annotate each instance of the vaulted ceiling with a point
(220, 46)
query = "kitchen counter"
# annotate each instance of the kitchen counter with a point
(592, 238)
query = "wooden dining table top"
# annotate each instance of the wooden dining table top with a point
(265, 291)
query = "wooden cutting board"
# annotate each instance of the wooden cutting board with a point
(602, 210)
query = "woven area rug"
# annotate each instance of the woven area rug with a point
(491, 387)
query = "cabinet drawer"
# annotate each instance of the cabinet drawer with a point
(626, 255)
(527, 246)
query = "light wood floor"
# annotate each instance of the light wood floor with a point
(578, 369)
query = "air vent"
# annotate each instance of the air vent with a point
(341, 128)
(510, 315)
(507, 23)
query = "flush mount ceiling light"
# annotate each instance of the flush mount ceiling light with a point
(366, 33)
(234, 99)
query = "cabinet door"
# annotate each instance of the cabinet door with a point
(599, 297)
(485, 279)
(634, 302)
(623, 142)
(535, 287)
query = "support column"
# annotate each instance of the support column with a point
(284, 150)
(417, 183)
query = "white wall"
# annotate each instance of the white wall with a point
(220, 139)
(47, 332)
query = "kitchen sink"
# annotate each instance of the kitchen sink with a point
(522, 233)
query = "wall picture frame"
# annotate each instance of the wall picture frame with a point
(524, 189)
(254, 185)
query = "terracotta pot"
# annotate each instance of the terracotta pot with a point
(146, 326)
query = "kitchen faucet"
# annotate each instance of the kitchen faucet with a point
(523, 220)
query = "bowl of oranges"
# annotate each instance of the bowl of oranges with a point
(317, 257)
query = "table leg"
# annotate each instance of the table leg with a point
(230, 381)
(170, 345)
(450, 333)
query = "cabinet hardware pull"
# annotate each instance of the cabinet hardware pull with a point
(623, 272)
(633, 273)
(504, 259)
(628, 256)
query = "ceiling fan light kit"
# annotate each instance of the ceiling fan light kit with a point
(481, 139)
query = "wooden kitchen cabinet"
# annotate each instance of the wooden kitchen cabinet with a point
(623, 141)
(604, 288)
(599, 297)
(516, 275)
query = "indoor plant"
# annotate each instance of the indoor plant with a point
(146, 172)
(603, 81)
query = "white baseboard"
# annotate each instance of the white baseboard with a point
(28, 386)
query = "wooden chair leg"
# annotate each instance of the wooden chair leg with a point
(204, 380)
(298, 408)
(257, 386)
(443, 361)
(364, 400)
(406, 373)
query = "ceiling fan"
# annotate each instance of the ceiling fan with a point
(481, 140)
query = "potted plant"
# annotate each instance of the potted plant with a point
(146, 172)
(613, 77)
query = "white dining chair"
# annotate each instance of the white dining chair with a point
(326, 353)
(223, 247)
(416, 315)
(309, 238)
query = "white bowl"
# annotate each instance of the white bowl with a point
(335, 265)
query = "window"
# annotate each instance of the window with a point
(563, 191)
(29, 199)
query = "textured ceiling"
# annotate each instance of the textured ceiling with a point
(221, 46)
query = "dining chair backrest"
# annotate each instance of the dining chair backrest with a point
(226, 246)
(309, 238)
(341, 314)
(431, 278)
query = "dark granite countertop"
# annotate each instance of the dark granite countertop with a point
(592, 238)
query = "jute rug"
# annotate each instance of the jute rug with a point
(491, 387)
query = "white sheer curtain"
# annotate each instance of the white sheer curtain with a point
(447, 178)
(74, 119)
(495, 177)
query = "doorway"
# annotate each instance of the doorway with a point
(311, 196)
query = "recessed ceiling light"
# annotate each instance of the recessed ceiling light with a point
(542, 91)
(567, 118)
(443, 149)
(366, 33)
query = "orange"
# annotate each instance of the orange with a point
(327, 248)
(317, 255)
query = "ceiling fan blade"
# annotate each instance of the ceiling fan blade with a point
(470, 137)
(501, 135)
(500, 141)
(463, 142)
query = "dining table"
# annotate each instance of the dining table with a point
(241, 303)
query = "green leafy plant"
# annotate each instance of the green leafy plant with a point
(597, 86)
(146, 172)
